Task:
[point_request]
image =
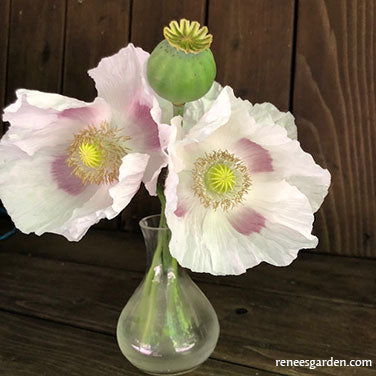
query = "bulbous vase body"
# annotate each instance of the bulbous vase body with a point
(168, 326)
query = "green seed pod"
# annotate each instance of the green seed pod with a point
(182, 67)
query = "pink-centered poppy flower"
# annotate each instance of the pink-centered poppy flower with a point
(240, 189)
(65, 164)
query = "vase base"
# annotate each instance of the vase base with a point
(170, 374)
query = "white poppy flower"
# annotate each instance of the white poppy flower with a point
(65, 164)
(240, 191)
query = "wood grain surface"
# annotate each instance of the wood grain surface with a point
(313, 275)
(257, 327)
(252, 45)
(35, 347)
(4, 22)
(335, 107)
(95, 29)
(35, 46)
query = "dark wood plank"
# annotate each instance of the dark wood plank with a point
(148, 19)
(35, 46)
(317, 276)
(36, 347)
(334, 103)
(95, 29)
(141, 206)
(257, 327)
(4, 22)
(252, 45)
(98, 247)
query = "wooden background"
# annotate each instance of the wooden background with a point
(315, 58)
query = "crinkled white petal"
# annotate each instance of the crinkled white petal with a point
(32, 197)
(131, 173)
(36, 202)
(263, 113)
(268, 114)
(287, 187)
(45, 101)
(42, 128)
(217, 115)
(184, 148)
(300, 170)
(186, 226)
(186, 243)
(204, 240)
(118, 78)
(158, 159)
(143, 132)
(222, 244)
(165, 106)
(289, 161)
(34, 125)
(148, 135)
(172, 179)
(288, 226)
(198, 234)
(193, 111)
(226, 109)
(97, 207)
(121, 80)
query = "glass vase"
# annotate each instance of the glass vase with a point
(168, 326)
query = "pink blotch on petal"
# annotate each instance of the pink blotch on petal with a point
(85, 115)
(246, 221)
(62, 174)
(146, 125)
(180, 211)
(255, 156)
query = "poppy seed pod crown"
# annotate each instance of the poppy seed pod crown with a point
(182, 68)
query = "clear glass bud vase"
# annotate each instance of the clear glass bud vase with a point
(168, 326)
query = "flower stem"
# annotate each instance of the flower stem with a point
(161, 258)
(178, 109)
(164, 235)
(163, 263)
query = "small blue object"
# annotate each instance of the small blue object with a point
(9, 233)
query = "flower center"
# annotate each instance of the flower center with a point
(90, 155)
(96, 153)
(188, 36)
(220, 180)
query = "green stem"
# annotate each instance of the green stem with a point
(149, 293)
(178, 109)
(164, 235)
(162, 256)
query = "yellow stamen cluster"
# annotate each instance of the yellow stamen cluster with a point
(220, 180)
(188, 36)
(95, 154)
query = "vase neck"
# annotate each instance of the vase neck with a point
(157, 241)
